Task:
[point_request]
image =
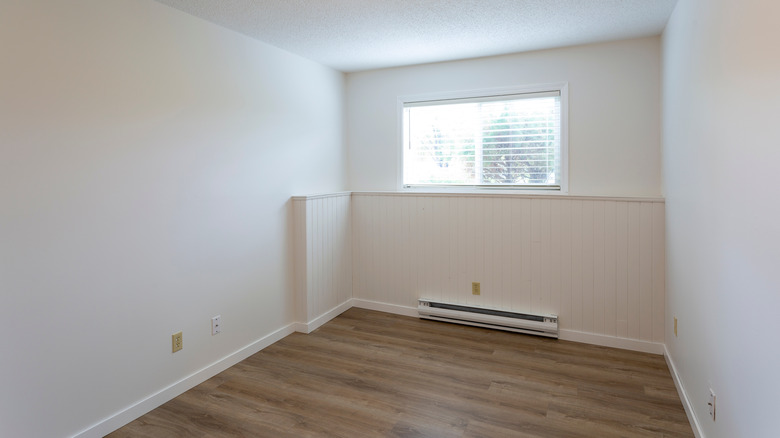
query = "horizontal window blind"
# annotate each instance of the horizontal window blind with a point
(493, 141)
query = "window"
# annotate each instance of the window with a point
(507, 139)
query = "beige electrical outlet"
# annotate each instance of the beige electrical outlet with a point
(475, 288)
(177, 341)
(675, 326)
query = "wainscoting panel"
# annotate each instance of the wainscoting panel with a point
(598, 263)
(323, 256)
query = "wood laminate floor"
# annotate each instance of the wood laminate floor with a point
(373, 374)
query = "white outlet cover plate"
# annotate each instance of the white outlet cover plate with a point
(216, 325)
(711, 404)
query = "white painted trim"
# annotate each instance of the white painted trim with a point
(509, 194)
(466, 190)
(686, 401)
(526, 194)
(119, 419)
(319, 196)
(300, 327)
(564, 139)
(483, 92)
(611, 341)
(317, 322)
(385, 307)
(399, 150)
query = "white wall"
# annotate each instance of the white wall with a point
(147, 159)
(614, 112)
(721, 134)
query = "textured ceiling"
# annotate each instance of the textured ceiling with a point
(353, 35)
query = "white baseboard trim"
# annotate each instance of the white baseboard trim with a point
(300, 327)
(119, 419)
(384, 307)
(611, 341)
(314, 324)
(686, 402)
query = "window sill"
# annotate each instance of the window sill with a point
(483, 191)
(543, 194)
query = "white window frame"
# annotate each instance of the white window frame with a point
(562, 87)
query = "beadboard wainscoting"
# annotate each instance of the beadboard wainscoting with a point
(598, 263)
(323, 258)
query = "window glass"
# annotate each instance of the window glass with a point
(511, 141)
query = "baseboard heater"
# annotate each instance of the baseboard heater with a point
(541, 325)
